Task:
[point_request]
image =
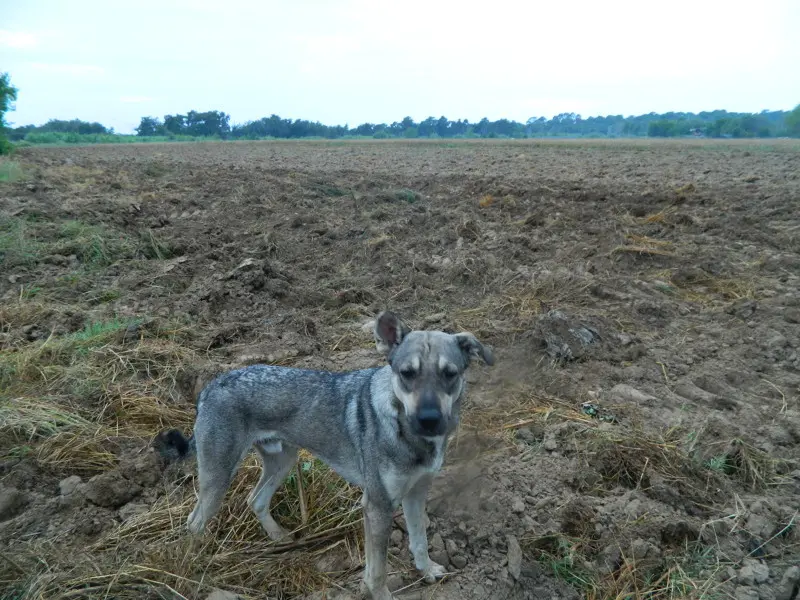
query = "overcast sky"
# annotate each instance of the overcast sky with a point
(352, 61)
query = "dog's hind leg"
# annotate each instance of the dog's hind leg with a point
(214, 474)
(277, 460)
(414, 511)
(217, 463)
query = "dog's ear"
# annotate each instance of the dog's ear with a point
(472, 348)
(389, 332)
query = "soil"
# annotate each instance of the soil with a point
(641, 299)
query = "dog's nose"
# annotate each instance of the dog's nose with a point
(430, 419)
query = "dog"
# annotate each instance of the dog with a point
(382, 429)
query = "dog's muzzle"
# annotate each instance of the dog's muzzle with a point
(430, 420)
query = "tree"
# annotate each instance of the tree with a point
(427, 128)
(793, 122)
(442, 127)
(206, 124)
(662, 128)
(73, 126)
(175, 124)
(150, 126)
(8, 94)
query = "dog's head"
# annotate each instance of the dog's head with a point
(427, 370)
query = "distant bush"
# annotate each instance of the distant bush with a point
(60, 138)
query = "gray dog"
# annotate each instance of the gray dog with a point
(384, 430)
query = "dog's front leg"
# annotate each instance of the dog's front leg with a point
(414, 511)
(377, 526)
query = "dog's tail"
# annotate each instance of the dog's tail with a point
(173, 445)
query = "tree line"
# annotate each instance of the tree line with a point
(216, 124)
(719, 123)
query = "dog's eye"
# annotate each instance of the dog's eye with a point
(449, 372)
(408, 372)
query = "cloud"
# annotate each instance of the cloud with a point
(69, 69)
(135, 99)
(20, 40)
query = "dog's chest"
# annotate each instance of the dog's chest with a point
(398, 481)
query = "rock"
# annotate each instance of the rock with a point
(440, 556)
(746, 576)
(563, 338)
(760, 526)
(437, 543)
(745, 593)
(11, 501)
(678, 533)
(550, 444)
(765, 593)
(222, 595)
(111, 490)
(788, 585)
(396, 538)
(514, 557)
(743, 308)
(131, 510)
(340, 595)
(459, 561)
(753, 572)
(518, 505)
(394, 581)
(609, 559)
(688, 276)
(69, 485)
(791, 315)
(761, 572)
(640, 549)
(527, 435)
(451, 547)
(627, 394)
(433, 319)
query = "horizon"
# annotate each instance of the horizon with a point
(354, 63)
(352, 126)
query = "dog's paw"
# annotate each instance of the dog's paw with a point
(195, 524)
(277, 533)
(434, 572)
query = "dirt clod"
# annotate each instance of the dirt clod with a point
(514, 557)
(562, 337)
(12, 501)
(222, 595)
(111, 489)
(69, 485)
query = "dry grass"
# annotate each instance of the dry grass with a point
(640, 244)
(69, 402)
(152, 551)
(69, 397)
(236, 554)
(753, 468)
(514, 310)
(659, 217)
(629, 457)
(688, 576)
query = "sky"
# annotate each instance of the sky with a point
(356, 61)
